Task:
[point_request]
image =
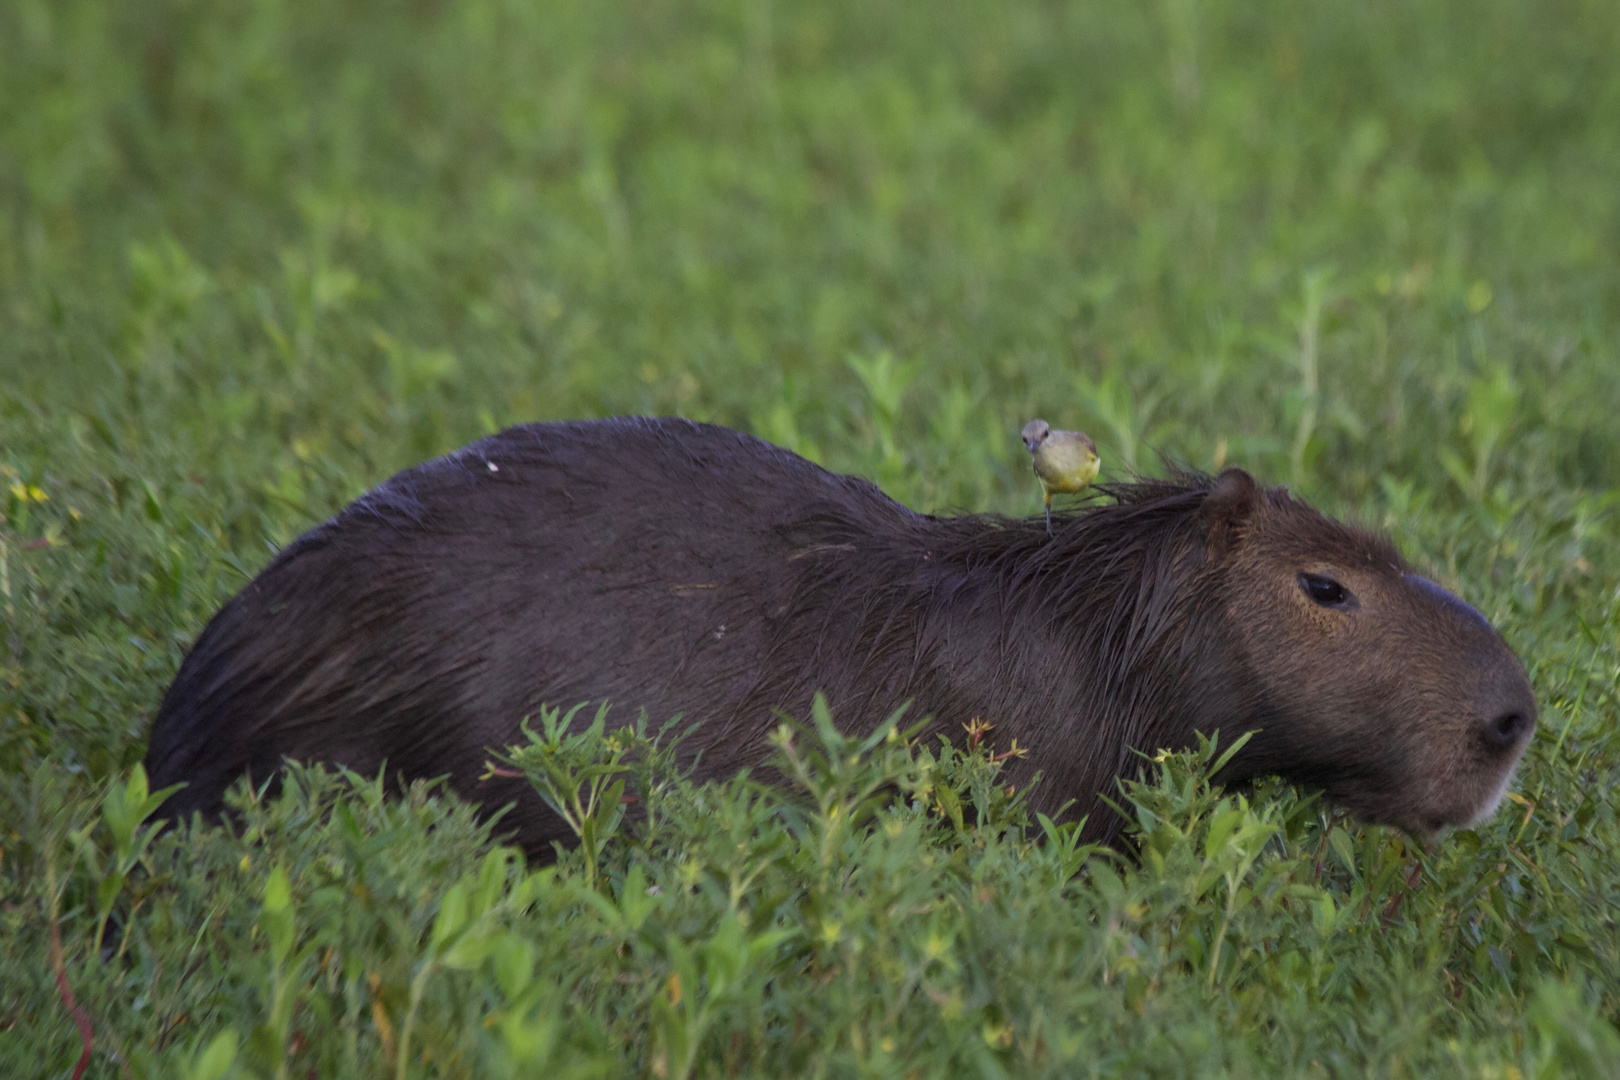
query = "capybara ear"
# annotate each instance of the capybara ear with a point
(1229, 505)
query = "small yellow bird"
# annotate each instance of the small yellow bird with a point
(1065, 461)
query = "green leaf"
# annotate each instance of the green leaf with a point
(1344, 848)
(216, 1058)
(609, 813)
(514, 965)
(1324, 915)
(474, 946)
(154, 510)
(1221, 830)
(529, 1039)
(634, 902)
(822, 715)
(452, 917)
(1231, 752)
(492, 878)
(277, 890)
(107, 890)
(950, 802)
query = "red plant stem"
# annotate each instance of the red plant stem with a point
(73, 1007)
(1394, 907)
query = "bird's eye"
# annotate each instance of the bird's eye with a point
(1326, 591)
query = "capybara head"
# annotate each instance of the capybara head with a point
(1397, 698)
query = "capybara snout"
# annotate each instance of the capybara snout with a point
(722, 579)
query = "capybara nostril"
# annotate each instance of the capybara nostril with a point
(1507, 730)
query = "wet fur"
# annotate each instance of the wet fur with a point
(686, 569)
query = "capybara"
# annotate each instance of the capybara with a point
(681, 568)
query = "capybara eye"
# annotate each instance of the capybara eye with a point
(1326, 591)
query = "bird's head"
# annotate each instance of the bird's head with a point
(1035, 433)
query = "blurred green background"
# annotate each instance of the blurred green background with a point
(255, 256)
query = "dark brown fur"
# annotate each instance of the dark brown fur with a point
(687, 569)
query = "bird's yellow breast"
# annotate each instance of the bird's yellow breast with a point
(1066, 466)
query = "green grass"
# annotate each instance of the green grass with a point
(255, 257)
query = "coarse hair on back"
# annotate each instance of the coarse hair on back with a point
(1115, 580)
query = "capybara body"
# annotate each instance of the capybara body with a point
(684, 569)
